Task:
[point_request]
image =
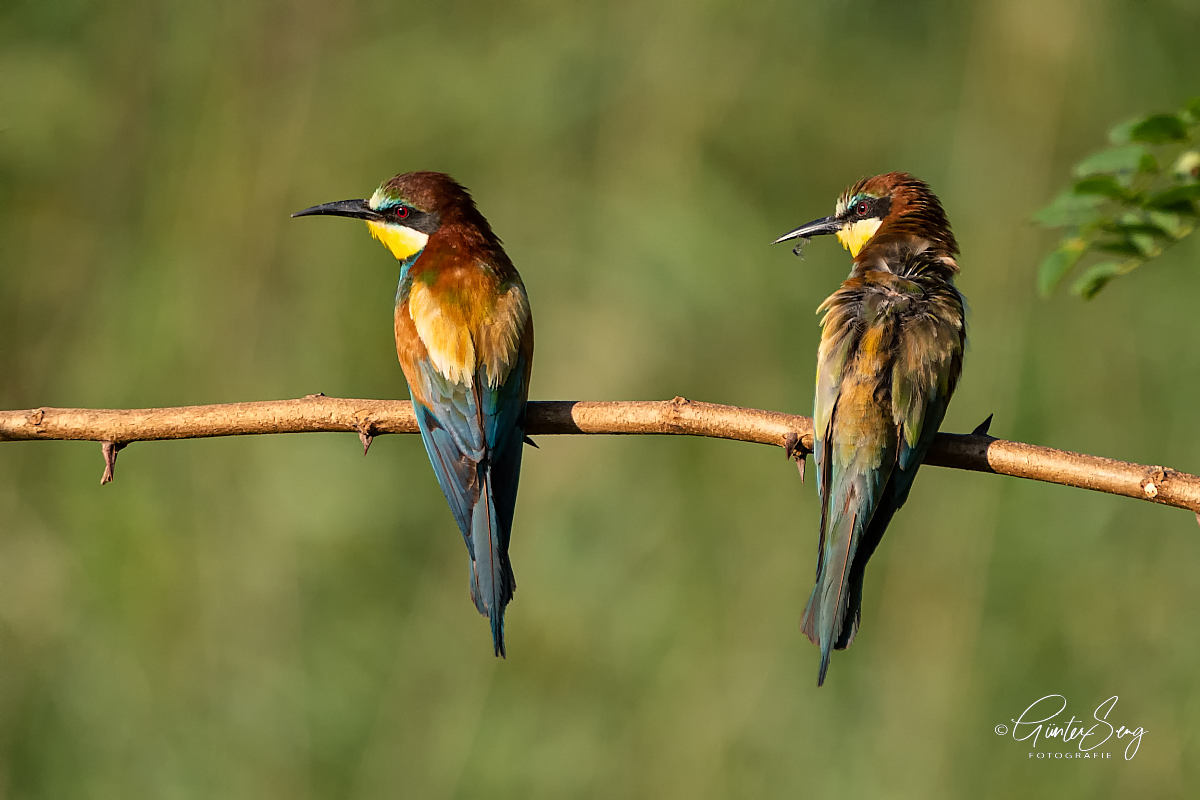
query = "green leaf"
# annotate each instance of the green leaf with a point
(1058, 264)
(1070, 209)
(1137, 238)
(1118, 247)
(1119, 134)
(1103, 185)
(1145, 243)
(1130, 227)
(1175, 198)
(1122, 161)
(1098, 275)
(1192, 109)
(1172, 225)
(1160, 129)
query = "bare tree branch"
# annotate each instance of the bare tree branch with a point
(368, 418)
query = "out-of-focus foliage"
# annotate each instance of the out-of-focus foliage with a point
(1129, 202)
(279, 617)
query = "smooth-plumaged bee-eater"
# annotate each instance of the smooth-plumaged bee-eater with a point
(464, 335)
(891, 353)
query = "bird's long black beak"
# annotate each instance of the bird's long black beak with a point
(357, 209)
(810, 229)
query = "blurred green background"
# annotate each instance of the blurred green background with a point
(280, 617)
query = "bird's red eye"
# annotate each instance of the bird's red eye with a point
(862, 207)
(401, 211)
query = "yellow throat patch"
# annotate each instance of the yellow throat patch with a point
(403, 242)
(857, 234)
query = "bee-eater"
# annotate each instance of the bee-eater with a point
(464, 336)
(891, 353)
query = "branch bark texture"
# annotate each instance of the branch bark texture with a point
(368, 418)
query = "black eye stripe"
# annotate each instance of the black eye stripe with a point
(870, 207)
(415, 218)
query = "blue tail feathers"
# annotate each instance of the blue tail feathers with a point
(492, 580)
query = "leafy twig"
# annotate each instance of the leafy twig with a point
(1123, 206)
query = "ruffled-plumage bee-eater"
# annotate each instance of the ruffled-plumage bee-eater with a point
(464, 335)
(891, 353)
